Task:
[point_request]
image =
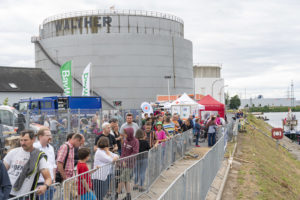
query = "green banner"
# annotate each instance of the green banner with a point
(66, 77)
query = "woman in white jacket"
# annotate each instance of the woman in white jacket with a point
(104, 162)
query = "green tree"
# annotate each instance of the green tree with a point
(5, 102)
(235, 102)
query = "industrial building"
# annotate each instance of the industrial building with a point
(132, 53)
(208, 80)
(261, 102)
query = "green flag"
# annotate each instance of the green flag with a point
(66, 76)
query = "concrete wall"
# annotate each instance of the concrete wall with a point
(204, 86)
(130, 66)
(14, 97)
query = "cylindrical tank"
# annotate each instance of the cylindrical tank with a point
(131, 52)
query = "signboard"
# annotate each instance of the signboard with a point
(277, 133)
(62, 103)
(117, 103)
(185, 112)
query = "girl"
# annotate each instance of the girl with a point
(84, 182)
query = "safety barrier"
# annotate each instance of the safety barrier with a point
(135, 173)
(195, 182)
(138, 172)
(52, 193)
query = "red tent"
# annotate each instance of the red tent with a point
(212, 105)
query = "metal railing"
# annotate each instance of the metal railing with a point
(195, 181)
(113, 12)
(52, 193)
(135, 173)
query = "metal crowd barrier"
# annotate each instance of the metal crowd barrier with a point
(194, 182)
(53, 193)
(134, 174)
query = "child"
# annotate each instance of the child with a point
(84, 182)
(161, 134)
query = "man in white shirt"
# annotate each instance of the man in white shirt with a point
(43, 144)
(129, 123)
(22, 157)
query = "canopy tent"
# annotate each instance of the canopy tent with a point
(185, 106)
(213, 105)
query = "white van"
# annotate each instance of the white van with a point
(9, 118)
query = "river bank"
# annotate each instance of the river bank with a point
(274, 109)
(260, 170)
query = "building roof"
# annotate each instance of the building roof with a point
(21, 79)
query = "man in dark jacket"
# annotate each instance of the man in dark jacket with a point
(5, 185)
(130, 147)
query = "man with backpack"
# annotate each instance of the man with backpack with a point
(65, 158)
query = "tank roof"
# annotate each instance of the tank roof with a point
(113, 12)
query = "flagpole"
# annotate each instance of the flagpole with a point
(91, 80)
(73, 72)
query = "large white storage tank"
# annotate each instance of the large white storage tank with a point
(131, 52)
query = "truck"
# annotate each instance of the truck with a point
(59, 104)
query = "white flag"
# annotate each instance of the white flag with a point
(86, 81)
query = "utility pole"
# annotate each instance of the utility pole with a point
(292, 95)
(168, 78)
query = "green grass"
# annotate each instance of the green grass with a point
(271, 173)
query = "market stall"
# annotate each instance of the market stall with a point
(213, 105)
(186, 106)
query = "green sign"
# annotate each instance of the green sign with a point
(66, 77)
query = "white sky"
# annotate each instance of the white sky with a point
(256, 41)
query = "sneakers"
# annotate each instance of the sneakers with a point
(197, 145)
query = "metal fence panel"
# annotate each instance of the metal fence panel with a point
(53, 193)
(195, 182)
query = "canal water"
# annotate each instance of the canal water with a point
(275, 118)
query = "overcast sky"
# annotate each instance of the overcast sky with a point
(256, 41)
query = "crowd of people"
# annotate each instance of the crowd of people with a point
(35, 165)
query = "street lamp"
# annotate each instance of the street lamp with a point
(221, 91)
(212, 87)
(168, 78)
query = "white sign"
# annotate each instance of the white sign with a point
(147, 108)
(86, 80)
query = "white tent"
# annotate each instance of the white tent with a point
(186, 106)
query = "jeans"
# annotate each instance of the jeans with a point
(211, 139)
(197, 137)
(48, 195)
(140, 171)
(101, 187)
(88, 196)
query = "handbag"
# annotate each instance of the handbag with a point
(58, 176)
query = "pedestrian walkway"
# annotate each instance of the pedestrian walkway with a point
(169, 175)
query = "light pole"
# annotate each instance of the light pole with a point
(168, 78)
(221, 92)
(212, 87)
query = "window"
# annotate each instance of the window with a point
(6, 117)
(23, 106)
(35, 105)
(13, 85)
(48, 104)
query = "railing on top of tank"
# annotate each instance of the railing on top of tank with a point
(113, 12)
